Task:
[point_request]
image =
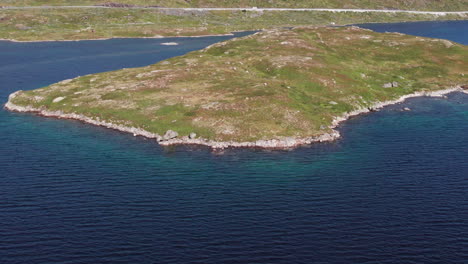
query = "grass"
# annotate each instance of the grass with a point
(273, 84)
(74, 24)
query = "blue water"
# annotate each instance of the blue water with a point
(452, 30)
(394, 189)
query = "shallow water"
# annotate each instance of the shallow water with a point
(392, 190)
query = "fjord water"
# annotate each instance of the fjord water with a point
(394, 189)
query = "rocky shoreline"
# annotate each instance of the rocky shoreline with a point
(280, 143)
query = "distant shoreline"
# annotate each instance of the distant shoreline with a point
(155, 37)
(283, 143)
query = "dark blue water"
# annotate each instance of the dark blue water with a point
(393, 190)
(452, 30)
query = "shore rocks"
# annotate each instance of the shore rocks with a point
(170, 134)
(171, 137)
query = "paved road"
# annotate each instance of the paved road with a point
(257, 9)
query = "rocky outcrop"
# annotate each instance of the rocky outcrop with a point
(171, 137)
(391, 85)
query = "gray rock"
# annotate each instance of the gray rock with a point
(170, 135)
(406, 109)
(192, 135)
(391, 84)
(387, 85)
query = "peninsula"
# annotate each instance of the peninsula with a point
(277, 88)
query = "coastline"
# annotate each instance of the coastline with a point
(154, 37)
(281, 143)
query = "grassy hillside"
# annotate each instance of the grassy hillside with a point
(434, 5)
(68, 24)
(274, 84)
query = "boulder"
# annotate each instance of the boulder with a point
(170, 134)
(391, 85)
(192, 135)
(58, 99)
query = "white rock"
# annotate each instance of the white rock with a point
(58, 99)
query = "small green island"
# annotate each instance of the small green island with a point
(274, 89)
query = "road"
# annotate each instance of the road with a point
(441, 13)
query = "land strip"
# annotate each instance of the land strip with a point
(426, 5)
(198, 9)
(44, 23)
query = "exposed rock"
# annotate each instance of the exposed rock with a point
(333, 103)
(192, 135)
(22, 27)
(170, 134)
(447, 43)
(391, 85)
(66, 81)
(406, 109)
(58, 99)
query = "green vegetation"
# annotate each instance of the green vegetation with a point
(434, 5)
(72, 24)
(272, 84)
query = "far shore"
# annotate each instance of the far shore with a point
(154, 37)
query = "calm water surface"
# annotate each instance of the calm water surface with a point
(393, 190)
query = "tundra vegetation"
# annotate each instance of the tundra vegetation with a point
(73, 24)
(95, 23)
(428, 5)
(273, 84)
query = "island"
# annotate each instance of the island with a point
(278, 88)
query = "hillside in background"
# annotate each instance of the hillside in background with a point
(433, 5)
